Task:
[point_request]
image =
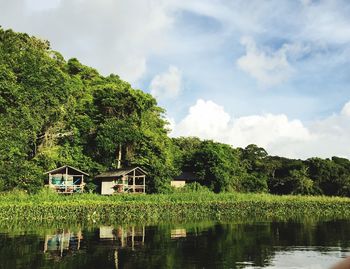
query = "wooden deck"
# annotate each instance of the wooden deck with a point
(126, 188)
(67, 189)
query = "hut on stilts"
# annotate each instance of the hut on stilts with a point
(66, 179)
(123, 180)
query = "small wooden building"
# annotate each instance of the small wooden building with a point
(181, 180)
(66, 179)
(124, 180)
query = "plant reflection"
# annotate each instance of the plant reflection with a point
(201, 245)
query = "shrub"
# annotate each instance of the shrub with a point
(254, 183)
(194, 187)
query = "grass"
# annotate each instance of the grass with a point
(51, 207)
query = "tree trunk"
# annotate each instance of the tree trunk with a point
(119, 159)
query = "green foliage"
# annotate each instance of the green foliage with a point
(55, 112)
(216, 165)
(193, 187)
(303, 183)
(254, 158)
(204, 205)
(330, 176)
(280, 181)
(23, 175)
(254, 183)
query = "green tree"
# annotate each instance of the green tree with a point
(326, 175)
(217, 166)
(303, 183)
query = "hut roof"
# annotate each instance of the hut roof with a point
(120, 172)
(66, 166)
(188, 176)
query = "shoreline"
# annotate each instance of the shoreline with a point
(156, 208)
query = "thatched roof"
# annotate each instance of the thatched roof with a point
(120, 172)
(64, 167)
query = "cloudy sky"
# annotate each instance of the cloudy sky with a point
(274, 73)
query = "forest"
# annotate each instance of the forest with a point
(57, 112)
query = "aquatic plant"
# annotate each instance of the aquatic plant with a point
(159, 207)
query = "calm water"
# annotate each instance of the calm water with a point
(203, 245)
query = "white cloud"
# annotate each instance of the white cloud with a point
(208, 120)
(113, 36)
(269, 68)
(306, 2)
(119, 36)
(266, 130)
(37, 5)
(170, 123)
(278, 134)
(326, 22)
(205, 119)
(346, 110)
(133, 38)
(168, 84)
(132, 68)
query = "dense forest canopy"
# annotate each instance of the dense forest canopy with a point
(55, 112)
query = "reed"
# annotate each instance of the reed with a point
(51, 207)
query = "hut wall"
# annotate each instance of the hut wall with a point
(178, 183)
(107, 186)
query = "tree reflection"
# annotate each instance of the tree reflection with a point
(201, 245)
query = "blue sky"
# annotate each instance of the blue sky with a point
(275, 73)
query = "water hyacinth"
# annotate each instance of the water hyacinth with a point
(48, 206)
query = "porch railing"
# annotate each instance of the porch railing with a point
(122, 188)
(62, 188)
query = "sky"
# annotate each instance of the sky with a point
(272, 73)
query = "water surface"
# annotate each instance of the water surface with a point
(201, 245)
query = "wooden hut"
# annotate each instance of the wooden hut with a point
(181, 180)
(66, 179)
(124, 180)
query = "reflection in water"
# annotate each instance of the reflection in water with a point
(62, 243)
(177, 233)
(126, 237)
(201, 245)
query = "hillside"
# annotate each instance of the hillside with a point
(55, 112)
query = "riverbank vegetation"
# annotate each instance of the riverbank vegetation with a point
(57, 112)
(128, 208)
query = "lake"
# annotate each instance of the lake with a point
(308, 244)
